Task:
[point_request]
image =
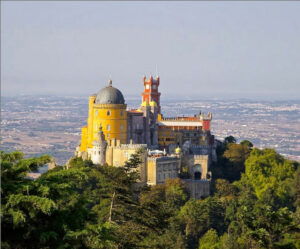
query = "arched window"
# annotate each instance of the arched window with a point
(108, 127)
(108, 113)
(107, 135)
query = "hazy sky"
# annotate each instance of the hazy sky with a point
(205, 49)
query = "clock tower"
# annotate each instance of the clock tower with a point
(151, 93)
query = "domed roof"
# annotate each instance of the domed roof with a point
(109, 95)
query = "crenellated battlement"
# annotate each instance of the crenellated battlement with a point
(200, 157)
(162, 158)
(203, 116)
(132, 146)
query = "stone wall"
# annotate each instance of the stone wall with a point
(161, 168)
(197, 188)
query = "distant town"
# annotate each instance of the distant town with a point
(51, 125)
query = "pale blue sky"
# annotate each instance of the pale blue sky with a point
(205, 49)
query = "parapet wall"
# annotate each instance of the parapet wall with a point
(162, 158)
(197, 188)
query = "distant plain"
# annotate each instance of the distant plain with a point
(52, 124)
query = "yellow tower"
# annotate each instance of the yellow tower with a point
(108, 109)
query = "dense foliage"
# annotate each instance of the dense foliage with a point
(255, 204)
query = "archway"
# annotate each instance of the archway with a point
(197, 175)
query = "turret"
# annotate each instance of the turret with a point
(99, 148)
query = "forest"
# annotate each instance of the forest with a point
(254, 203)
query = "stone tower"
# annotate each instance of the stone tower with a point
(150, 113)
(99, 148)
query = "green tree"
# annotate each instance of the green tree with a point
(197, 217)
(210, 240)
(229, 139)
(266, 170)
(34, 212)
(246, 143)
(225, 189)
(236, 155)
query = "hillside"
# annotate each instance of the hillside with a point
(255, 204)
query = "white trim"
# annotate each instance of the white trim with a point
(179, 123)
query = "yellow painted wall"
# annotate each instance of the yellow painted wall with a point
(90, 121)
(151, 171)
(116, 120)
(83, 145)
(114, 125)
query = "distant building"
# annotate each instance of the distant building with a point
(169, 145)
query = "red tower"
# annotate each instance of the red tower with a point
(151, 91)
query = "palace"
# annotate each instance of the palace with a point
(169, 147)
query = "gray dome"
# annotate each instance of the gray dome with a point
(109, 95)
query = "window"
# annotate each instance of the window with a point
(108, 113)
(125, 154)
(158, 176)
(170, 139)
(122, 113)
(96, 113)
(121, 127)
(147, 86)
(107, 135)
(95, 127)
(108, 127)
(154, 87)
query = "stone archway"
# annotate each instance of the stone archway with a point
(197, 175)
(197, 172)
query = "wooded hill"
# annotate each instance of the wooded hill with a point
(255, 203)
